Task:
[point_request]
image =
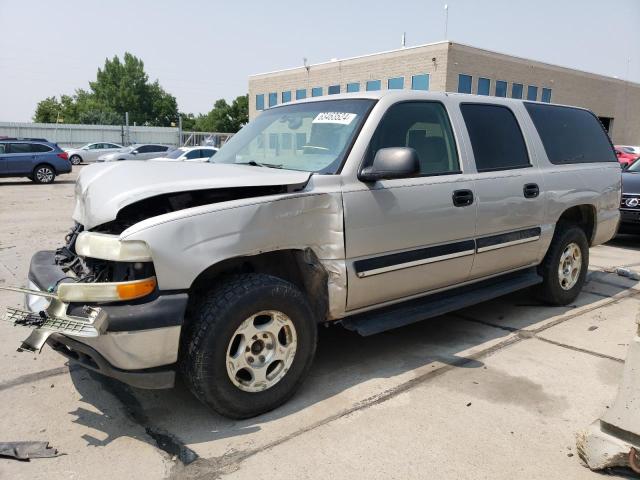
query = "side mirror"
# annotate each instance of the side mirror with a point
(390, 163)
(135, 152)
(625, 165)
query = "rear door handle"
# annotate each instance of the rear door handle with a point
(462, 198)
(531, 190)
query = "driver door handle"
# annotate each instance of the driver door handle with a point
(462, 198)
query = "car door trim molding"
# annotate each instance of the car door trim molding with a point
(422, 256)
(494, 242)
(412, 258)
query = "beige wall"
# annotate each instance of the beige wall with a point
(607, 97)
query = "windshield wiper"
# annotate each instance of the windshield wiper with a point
(253, 163)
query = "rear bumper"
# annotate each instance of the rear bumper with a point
(141, 337)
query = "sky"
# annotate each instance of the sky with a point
(204, 50)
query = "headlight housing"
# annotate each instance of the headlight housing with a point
(109, 247)
(106, 292)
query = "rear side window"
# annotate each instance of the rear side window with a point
(496, 137)
(570, 135)
(19, 148)
(40, 148)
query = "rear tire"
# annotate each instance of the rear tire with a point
(75, 160)
(250, 344)
(43, 174)
(564, 268)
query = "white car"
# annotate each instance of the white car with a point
(138, 151)
(91, 151)
(188, 154)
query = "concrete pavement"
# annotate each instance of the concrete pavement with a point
(495, 391)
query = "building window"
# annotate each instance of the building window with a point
(286, 96)
(353, 87)
(496, 138)
(301, 93)
(273, 141)
(420, 82)
(396, 83)
(286, 141)
(260, 102)
(316, 92)
(334, 89)
(273, 99)
(301, 140)
(464, 83)
(532, 92)
(484, 86)
(373, 85)
(501, 88)
(516, 90)
(546, 95)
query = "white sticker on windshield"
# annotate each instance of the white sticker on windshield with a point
(343, 118)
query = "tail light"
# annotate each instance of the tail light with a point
(63, 155)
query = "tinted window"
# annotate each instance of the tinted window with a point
(273, 99)
(420, 82)
(111, 145)
(395, 83)
(501, 88)
(532, 92)
(496, 138)
(286, 96)
(301, 93)
(40, 148)
(484, 86)
(546, 95)
(333, 89)
(570, 135)
(516, 90)
(192, 154)
(316, 92)
(260, 102)
(423, 126)
(19, 148)
(464, 83)
(353, 87)
(374, 85)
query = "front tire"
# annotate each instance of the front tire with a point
(564, 268)
(43, 174)
(250, 345)
(75, 160)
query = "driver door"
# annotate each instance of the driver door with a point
(408, 236)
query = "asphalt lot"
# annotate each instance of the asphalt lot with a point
(494, 391)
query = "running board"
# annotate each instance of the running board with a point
(412, 311)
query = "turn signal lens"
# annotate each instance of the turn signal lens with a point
(129, 291)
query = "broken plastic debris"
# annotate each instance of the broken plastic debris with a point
(27, 450)
(627, 272)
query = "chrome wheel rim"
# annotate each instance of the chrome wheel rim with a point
(44, 175)
(570, 266)
(75, 160)
(261, 351)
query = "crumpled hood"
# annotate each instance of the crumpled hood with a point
(103, 189)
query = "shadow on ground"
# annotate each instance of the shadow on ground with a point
(344, 361)
(626, 241)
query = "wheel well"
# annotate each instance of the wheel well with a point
(300, 267)
(41, 164)
(582, 215)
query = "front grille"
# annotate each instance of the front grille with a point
(630, 202)
(69, 325)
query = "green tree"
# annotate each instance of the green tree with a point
(120, 86)
(224, 117)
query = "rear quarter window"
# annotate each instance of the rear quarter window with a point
(571, 135)
(40, 148)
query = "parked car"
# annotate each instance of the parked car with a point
(630, 202)
(372, 210)
(39, 161)
(188, 154)
(629, 149)
(136, 152)
(625, 158)
(91, 151)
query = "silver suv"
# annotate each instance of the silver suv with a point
(372, 210)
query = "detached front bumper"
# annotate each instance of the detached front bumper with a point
(135, 341)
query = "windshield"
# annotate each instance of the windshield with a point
(634, 167)
(311, 137)
(177, 153)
